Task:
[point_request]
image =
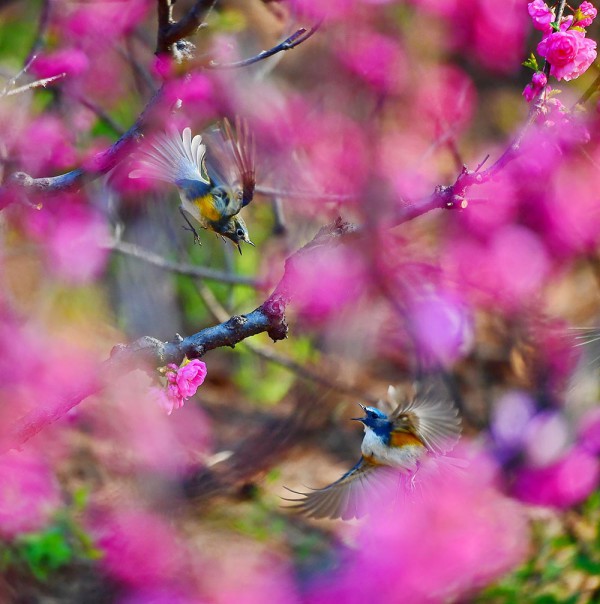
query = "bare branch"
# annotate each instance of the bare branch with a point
(37, 84)
(299, 36)
(201, 272)
(20, 182)
(170, 32)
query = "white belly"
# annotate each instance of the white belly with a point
(399, 457)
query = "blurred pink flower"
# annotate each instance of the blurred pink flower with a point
(190, 376)
(569, 53)
(441, 327)
(445, 101)
(541, 15)
(29, 493)
(562, 484)
(589, 432)
(76, 244)
(546, 438)
(71, 61)
(460, 534)
(325, 280)
(511, 415)
(379, 60)
(45, 145)
(584, 15)
(139, 548)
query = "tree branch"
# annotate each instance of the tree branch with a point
(20, 182)
(135, 251)
(299, 36)
(170, 32)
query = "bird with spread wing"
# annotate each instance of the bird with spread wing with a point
(215, 180)
(393, 444)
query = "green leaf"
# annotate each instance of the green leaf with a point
(45, 552)
(531, 63)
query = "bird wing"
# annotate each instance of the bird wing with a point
(432, 418)
(231, 161)
(175, 158)
(349, 496)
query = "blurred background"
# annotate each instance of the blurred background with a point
(115, 501)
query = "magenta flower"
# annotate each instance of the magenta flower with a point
(561, 484)
(585, 14)
(189, 377)
(182, 382)
(569, 53)
(541, 15)
(538, 82)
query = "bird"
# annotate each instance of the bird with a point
(214, 183)
(393, 444)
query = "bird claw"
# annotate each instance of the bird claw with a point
(190, 228)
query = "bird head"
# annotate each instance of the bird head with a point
(374, 418)
(236, 231)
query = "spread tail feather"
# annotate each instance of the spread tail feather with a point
(174, 158)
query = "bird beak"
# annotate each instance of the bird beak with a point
(249, 242)
(359, 419)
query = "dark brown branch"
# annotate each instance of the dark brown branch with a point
(21, 183)
(170, 32)
(289, 43)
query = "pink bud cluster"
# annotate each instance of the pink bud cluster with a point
(564, 45)
(182, 383)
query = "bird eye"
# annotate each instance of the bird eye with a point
(239, 233)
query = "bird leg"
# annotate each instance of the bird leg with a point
(190, 227)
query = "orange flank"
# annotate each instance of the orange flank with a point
(207, 208)
(399, 438)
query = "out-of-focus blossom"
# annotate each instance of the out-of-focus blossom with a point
(444, 101)
(102, 20)
(71, 61)
(139, 548)
(28, 493)
(541, 15)
(45, 145)
(325, 280)
(589, 432)
(561, 484)
(546, 438)
(459, 534)
(378, 60)
(569, 53)
(74, 237)
(538, 81)
(441, 327)
(510, 417)
(584, 15)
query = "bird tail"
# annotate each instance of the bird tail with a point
(174, 158)
(435, 418)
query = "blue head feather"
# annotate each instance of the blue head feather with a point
(378, 421)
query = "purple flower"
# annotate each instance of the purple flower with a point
(189, 377)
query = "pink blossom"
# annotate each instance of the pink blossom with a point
(561, 484)
(541, 15)
(569, 53)
(589, 432)
(538, 81)
(441, 327)
(28, 493)
(71, 61)
(455, 535)
(585, 14)
(189, 377)
(139, 548)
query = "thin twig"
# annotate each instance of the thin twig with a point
(135, 251)
(292, 194)
(299, 36)
(172, 32)
(37, 84)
